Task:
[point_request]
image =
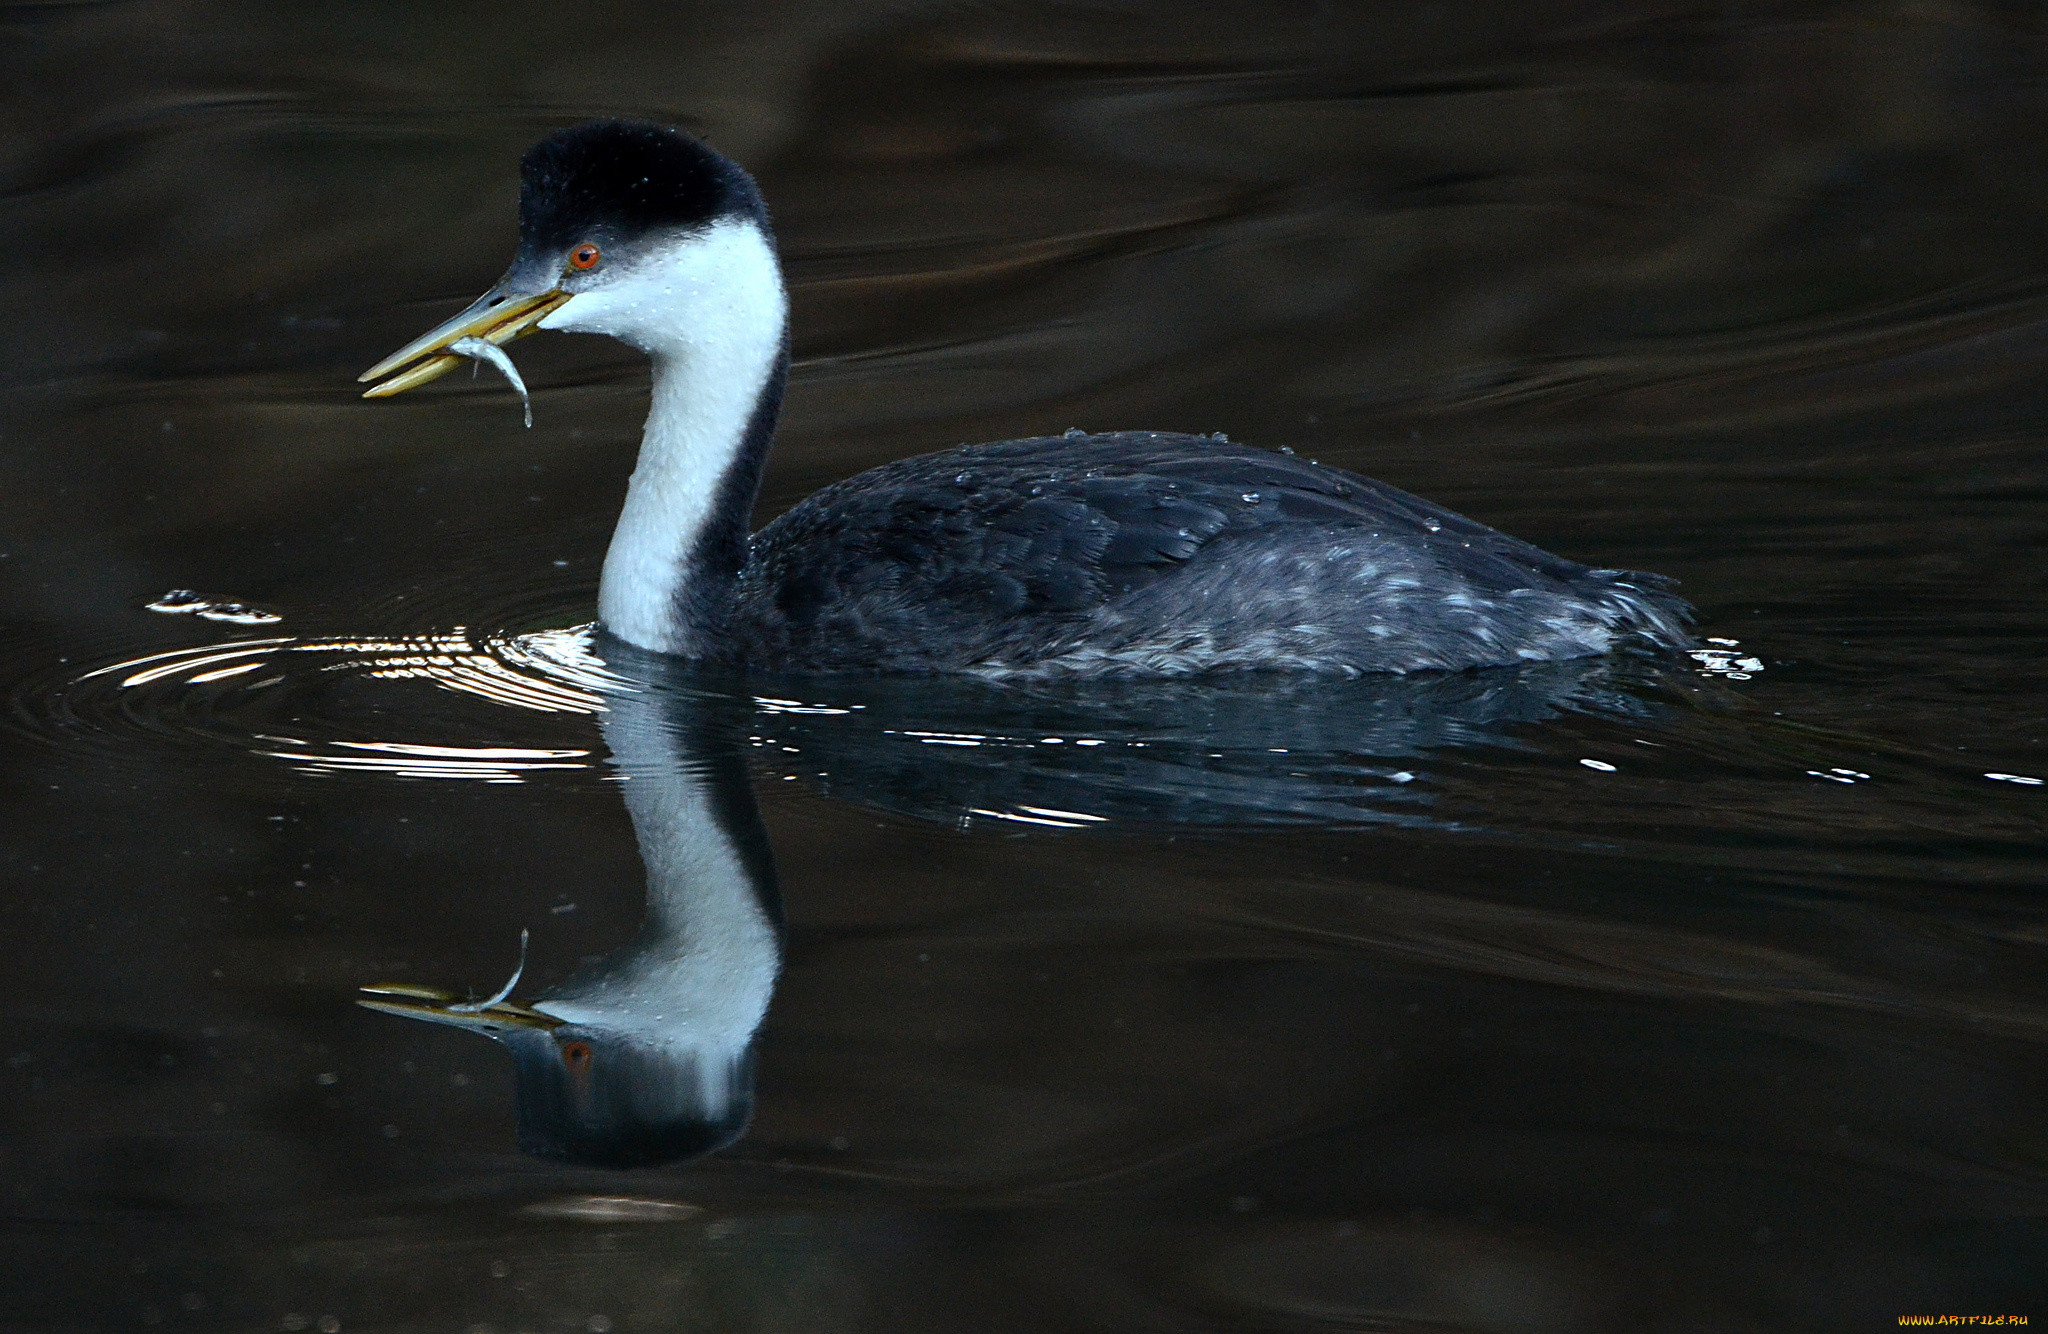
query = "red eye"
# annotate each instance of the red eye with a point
(584, 256)
(576, 1055)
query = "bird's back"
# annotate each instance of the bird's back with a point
(1160, 554)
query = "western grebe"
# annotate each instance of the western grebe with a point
(1133, 553)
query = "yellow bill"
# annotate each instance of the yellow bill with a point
(498, 317)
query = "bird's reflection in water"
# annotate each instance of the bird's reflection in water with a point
(647, 1056)
(1242, 749)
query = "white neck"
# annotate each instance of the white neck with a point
(710, 311)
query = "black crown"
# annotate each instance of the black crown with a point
(623, 178)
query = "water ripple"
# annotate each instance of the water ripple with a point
(1506, 752)
(507, 707)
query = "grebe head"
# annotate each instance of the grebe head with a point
(642, 233)
(629, 229)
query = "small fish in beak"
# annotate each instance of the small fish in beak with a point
(497, 356)
(508, 311)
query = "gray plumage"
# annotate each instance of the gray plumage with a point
(1144, 553)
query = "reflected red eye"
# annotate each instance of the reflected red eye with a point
(576, 1055)
(583, 257)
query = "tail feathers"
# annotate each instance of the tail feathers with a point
(1644, 604)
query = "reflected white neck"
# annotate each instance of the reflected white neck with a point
(699, 975)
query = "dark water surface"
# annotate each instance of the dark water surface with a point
(1702, 994)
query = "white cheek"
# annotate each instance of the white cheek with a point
(586, 312)
(718, 286)
(633, 311)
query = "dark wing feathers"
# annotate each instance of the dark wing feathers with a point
(1061, 525)
(1055, 525)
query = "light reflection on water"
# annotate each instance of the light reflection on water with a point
(493, 764)
(1258, 749)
